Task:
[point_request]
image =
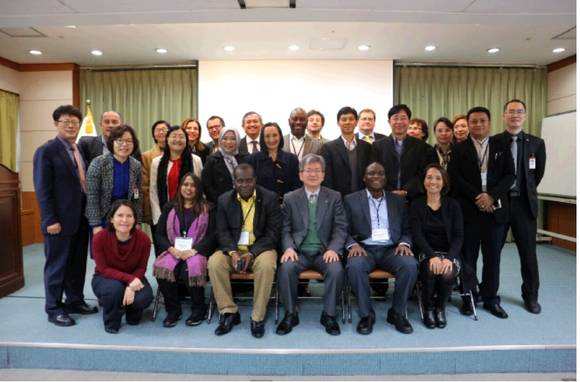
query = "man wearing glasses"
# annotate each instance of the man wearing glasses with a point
(60, 186)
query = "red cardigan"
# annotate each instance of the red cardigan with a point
(123, 262)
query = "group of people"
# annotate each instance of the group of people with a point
(276, 205)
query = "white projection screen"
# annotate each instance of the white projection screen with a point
(273, 88)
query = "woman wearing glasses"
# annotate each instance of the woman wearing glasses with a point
(112, 176)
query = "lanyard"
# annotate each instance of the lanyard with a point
(247, 214)
(294, 148)
(484, 156)
(184, 226)
(377, 208)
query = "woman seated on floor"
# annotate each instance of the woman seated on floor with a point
(121, 253)
(185, 235)
(437, 227)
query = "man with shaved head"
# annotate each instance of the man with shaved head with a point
(297, 142)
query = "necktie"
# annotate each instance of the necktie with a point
(80, 167)
(515, 156)
(254, 146)
(368, 139)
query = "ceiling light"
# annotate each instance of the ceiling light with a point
(364, 47)
(430, 48)
(161, 50)
(71, 26)
(493, 50)
(96, 52)
(559, 50)
(293, 47)
(229, 48)
(35, 52)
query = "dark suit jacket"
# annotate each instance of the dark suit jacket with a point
(378, 136)
(465, 177)
(57, 187)
(267, 221)
(338, 173)
(280, 176)
(330, 217)
(243, 147)
(532, 147)
(92, 147)
(415, 157)
(358, 214)
(216, 178)
(452, 219)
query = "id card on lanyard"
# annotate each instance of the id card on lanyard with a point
(245, 235)
(183, 243)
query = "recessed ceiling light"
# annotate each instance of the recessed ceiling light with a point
(293, 47)
(35, 52)
(559, 50)
(493, 50)
(71, 26)
(96, 52)
(364, 47)
(229, 48)
(161, 50)
(430, 48)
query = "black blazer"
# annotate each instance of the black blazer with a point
(280, 176)
(532, 147)
(465, 176)
(216, 178)
(415, 157)
(452, 219)
(267, 221)
(205, 247)
(92, 147)
(243, 147)
(337, 174)
(203, 154)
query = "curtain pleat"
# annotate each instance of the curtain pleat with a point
(9, 110)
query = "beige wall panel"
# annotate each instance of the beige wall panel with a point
(9, 79)
(562, 90)
(31, 140)
(562, 105)
(37, 115)
(46, 86)
(26, 176)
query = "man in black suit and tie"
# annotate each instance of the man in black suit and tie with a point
(529, 155)
(313, 236)
(60, 186)
(347, 156)
(379, 237)
(403, 157)
(252, 125)
(214, 126)
(366, 126)
(482, 172)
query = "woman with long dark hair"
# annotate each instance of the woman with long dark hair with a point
(193, 130)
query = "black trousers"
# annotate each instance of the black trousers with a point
(110, 292)
(65, 268)
(440, 285)
(524, 228)
(171, 291)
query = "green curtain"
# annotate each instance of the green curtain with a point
(142, 96)
(433, 92)
(9, 110)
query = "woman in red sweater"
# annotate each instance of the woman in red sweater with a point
(121, 253)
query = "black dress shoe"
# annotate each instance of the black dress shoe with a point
(533, 306)
(196, 318)
(82, 308)
(496, 310)
(257, 328)
(289, 321)
(227, 322)
(365, 325)
(429, 319)
(440, 318)
(330, 324)
(401, 323)
(171, 319)
(112, 330)
(466, 308)
(61, 319)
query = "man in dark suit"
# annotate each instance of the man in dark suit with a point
(529, 155)
(366, 126)
(403, 157)
(298, 142)
(313, 237)
(60, 186)
(379, 237)
(214, 126)
(252, 125)
(347, 156)
(92, 147)
(248, 232)
(481, 172)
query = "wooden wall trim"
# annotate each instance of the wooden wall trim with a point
(9, 64)
(76, 87)
(47, 67)
(562, 63)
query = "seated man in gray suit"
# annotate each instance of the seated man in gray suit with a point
(379, 237)
(313, 236)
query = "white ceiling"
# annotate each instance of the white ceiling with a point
(128, 31)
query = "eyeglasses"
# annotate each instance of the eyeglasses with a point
(67, 122)
(516, 112)
(312, 171)
(122, 142)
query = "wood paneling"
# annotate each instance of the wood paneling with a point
(46, 67)
(560, 64)
(561, 218)
(9, 64)
(30, 218)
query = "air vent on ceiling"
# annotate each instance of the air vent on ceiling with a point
(255, 4)
(569, 34)
(22, 32)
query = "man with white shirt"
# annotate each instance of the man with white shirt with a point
(252, 125)
(297, 142)
(366, 126)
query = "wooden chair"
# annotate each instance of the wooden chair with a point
(377, 276)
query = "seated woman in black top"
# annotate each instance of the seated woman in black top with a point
(437, 227)
(185, 235)
(275, 169)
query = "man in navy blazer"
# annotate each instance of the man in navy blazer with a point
(379, 237)
(58, 183)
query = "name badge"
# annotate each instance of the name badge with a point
(183, 243)
(380, 234)
(135, 193)
(244, 238)
(532, 163)
(484, 181)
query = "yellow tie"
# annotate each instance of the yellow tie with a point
(367, 139)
